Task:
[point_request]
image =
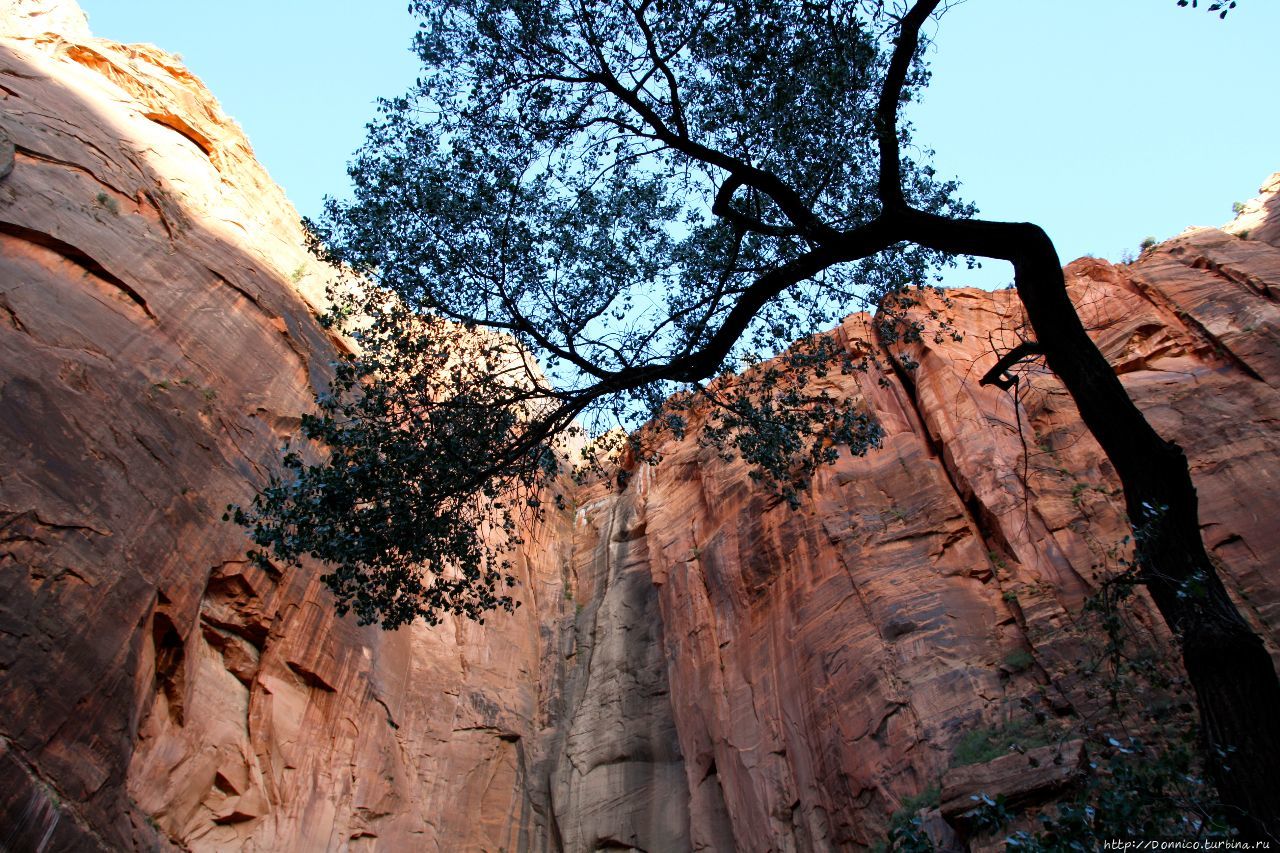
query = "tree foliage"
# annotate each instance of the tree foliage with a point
(635, 198)
(417, 413)
(639, 197)
(1222, 7)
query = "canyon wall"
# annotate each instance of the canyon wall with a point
(825, 663)
(694, 666)
(158, 342)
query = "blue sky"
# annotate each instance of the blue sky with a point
(1104, 121)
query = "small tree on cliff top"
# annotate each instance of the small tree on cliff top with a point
(641, 195)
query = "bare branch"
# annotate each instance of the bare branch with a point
(904, 51)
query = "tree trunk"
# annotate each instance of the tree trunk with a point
(1235, 683)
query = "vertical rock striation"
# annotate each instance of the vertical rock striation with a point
(158, 341)
(614, 771)
(694, 666)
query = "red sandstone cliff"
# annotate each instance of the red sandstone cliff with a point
(158, 342)
(694, 665)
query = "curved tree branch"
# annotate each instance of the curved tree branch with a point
(904, 51)
(723, 208)
(999, 375)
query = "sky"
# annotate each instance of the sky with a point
(1103, 121)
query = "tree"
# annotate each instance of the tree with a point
(587, 208)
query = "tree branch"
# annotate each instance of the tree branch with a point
(721, 207)
(999, 376)
(677, 109)
(904, 50)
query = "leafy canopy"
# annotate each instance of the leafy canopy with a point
(578, 211)
(635, 198)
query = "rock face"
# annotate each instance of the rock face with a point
(33, 18)
(1259, 218)
(158, 343)
(694, 666)
(1019, 779)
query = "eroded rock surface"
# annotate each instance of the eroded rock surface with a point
(1019, 779)
(825, 663)
(694, 666)
(158, 343)
(1259, 217)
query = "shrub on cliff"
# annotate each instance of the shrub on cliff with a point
(1143, 778)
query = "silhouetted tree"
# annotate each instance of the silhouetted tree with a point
(592, 206)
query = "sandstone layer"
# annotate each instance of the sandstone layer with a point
(158, 342)
(694, 665)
